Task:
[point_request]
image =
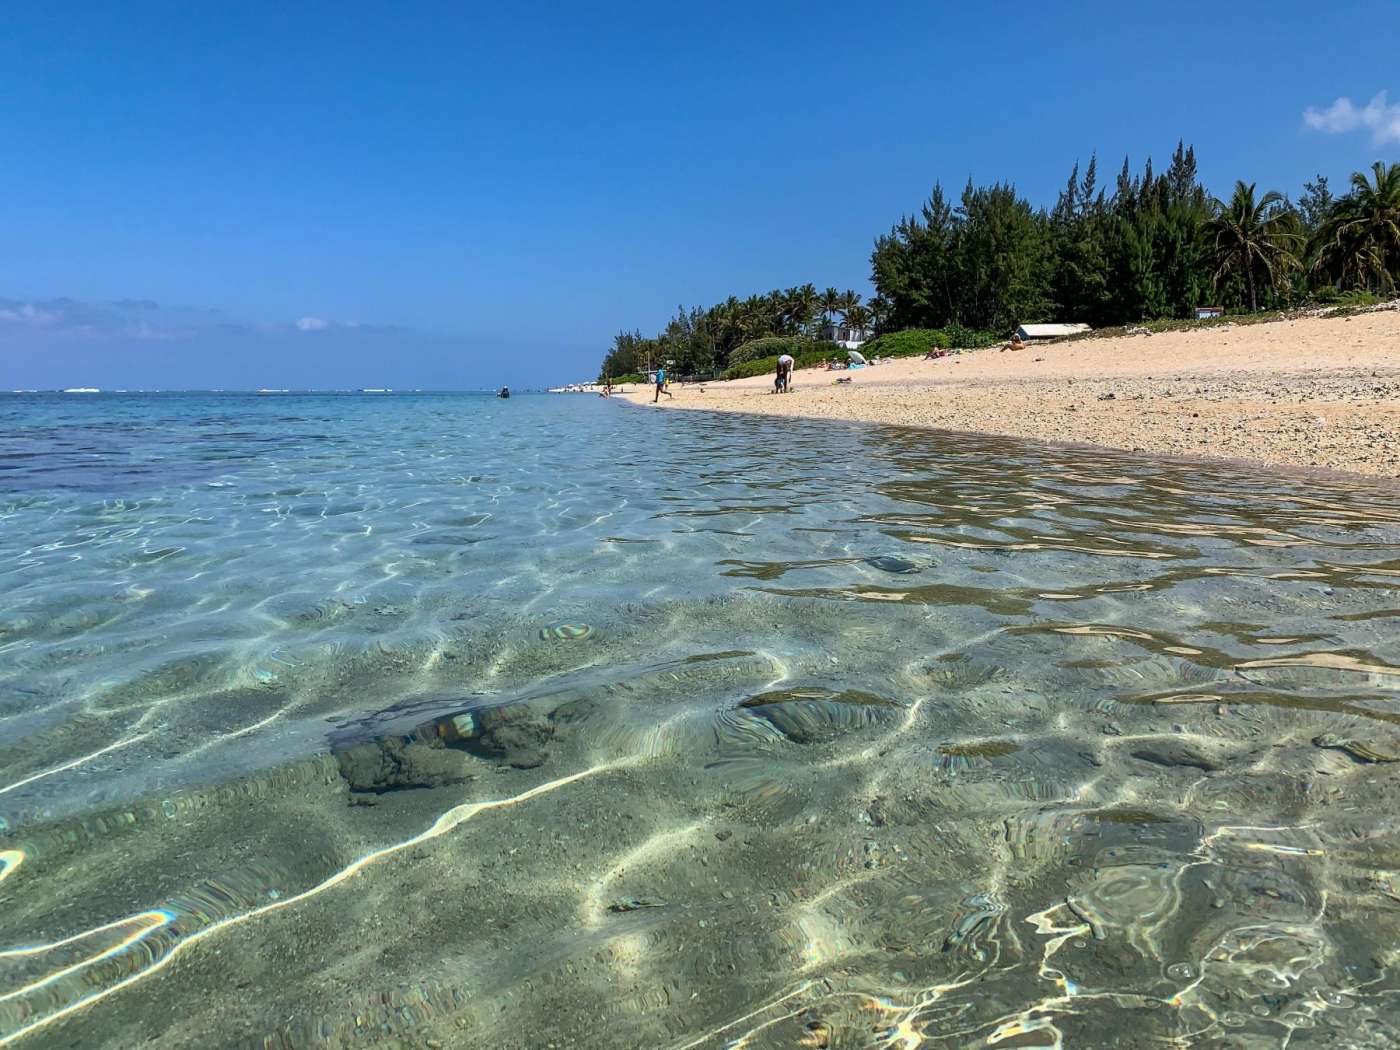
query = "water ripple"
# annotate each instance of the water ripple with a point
(447, 720)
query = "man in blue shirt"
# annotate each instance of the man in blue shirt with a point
(660, 385)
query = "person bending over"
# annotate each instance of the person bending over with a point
(782, 384)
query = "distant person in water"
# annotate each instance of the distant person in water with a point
(782, 383)
(660, 385)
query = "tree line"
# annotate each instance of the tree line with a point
(1154, 244)
(705, 339)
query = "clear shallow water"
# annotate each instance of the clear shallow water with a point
(402, 721)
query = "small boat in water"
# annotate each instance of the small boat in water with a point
(503, 392)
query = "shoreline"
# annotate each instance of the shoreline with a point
(1321, 395)
(1281, 470)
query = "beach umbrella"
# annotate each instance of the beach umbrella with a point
(857, 357)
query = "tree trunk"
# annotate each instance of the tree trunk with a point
(1249, 280)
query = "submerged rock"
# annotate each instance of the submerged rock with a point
(853, 697)
(514, 733)
(625, 904)
(819, 1035)
(566, 632)
(1366, 751)
(891, 563)
(395, 764)
(956, 671)
(811, 715)
(1173, 753)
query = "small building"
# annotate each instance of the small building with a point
(846, 336)
(1204, 313)
(1028, 332)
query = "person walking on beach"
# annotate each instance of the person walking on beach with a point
(783, 383)
(660, 385)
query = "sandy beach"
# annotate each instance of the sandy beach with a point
(1315, 392)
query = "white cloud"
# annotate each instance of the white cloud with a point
(321, 324)
(132, 319)
(143, 320)
(1379, 116)
(27, 314)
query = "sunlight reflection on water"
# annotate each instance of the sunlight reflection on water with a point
(770, 733)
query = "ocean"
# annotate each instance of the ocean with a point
(431, 720)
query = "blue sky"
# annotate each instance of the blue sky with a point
(455, 195)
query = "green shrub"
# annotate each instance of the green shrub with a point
(964, 338)
(751, 368)
(768, 346)
(811, 354)
(1357, 297)
(909, 343)
(634, 377)
(913, 342)
(1328, 295)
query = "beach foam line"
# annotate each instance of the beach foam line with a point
(448, 821)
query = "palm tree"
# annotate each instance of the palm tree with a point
(1359, 240)
(776, 311)
(849, 300)
(801, 306)
(856, 317)
(1253, 237)
(830, 301)
(725, 319)
(749, 317)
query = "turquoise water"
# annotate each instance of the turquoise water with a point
(422, 720)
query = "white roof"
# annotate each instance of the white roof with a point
(1049, 331)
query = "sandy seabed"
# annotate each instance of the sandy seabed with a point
(1312, 392)
(899, 738)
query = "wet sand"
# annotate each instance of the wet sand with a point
(1312, 392)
